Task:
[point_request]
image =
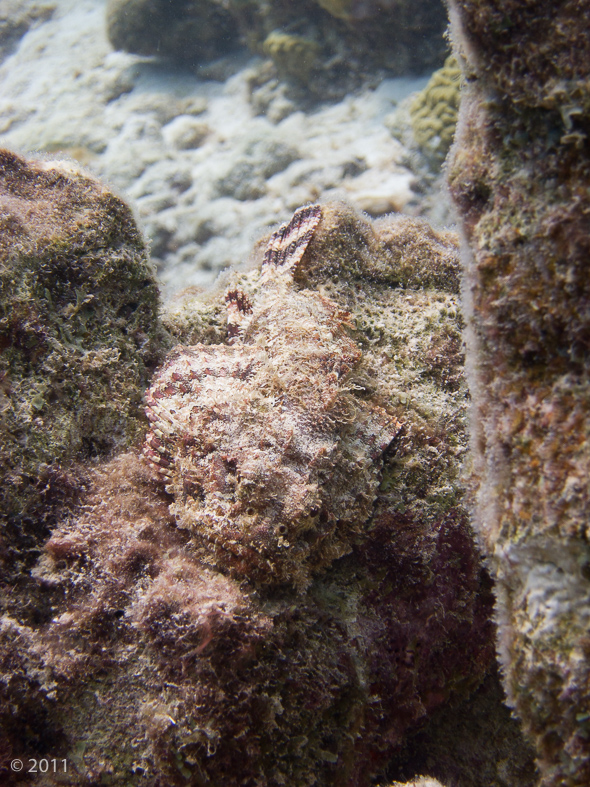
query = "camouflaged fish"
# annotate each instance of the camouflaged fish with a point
(273, 458)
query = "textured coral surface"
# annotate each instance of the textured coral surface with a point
(520, 177)
(141, 662)
(433, 111)
(143, 665)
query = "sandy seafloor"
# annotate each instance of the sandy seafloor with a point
(207, 164)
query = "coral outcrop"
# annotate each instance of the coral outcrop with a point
(183, 674)
(294, 57)
(520, 177)
(78, 337)
(323, 45)
(188, 32)
(138, 661)
(433, 111)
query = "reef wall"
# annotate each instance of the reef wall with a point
(287, 589)
(519, 174)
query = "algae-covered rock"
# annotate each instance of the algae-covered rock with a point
(433, 111)
(161, 670)
(520, 177)
(144, 663)
(191, 32)
(326, 47)
(78, 333)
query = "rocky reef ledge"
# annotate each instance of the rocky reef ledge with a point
(520, 177)
(280, 585)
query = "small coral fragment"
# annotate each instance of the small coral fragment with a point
(433, 111)
(294, 56)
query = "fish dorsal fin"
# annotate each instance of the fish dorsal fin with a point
(283, 252)
(288, 244)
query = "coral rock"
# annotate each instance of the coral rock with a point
(520, 177)
(189, 32)
(293, 56)
(79, 334)
(166, 671)
(433, 111)
(323, 47)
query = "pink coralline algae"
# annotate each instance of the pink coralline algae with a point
(272, 456)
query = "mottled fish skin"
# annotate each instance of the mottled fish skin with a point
(272, 457)
(239, 308)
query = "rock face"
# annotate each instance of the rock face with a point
(78, 336)
(520, 177)
(130, 655)
(183, 674)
